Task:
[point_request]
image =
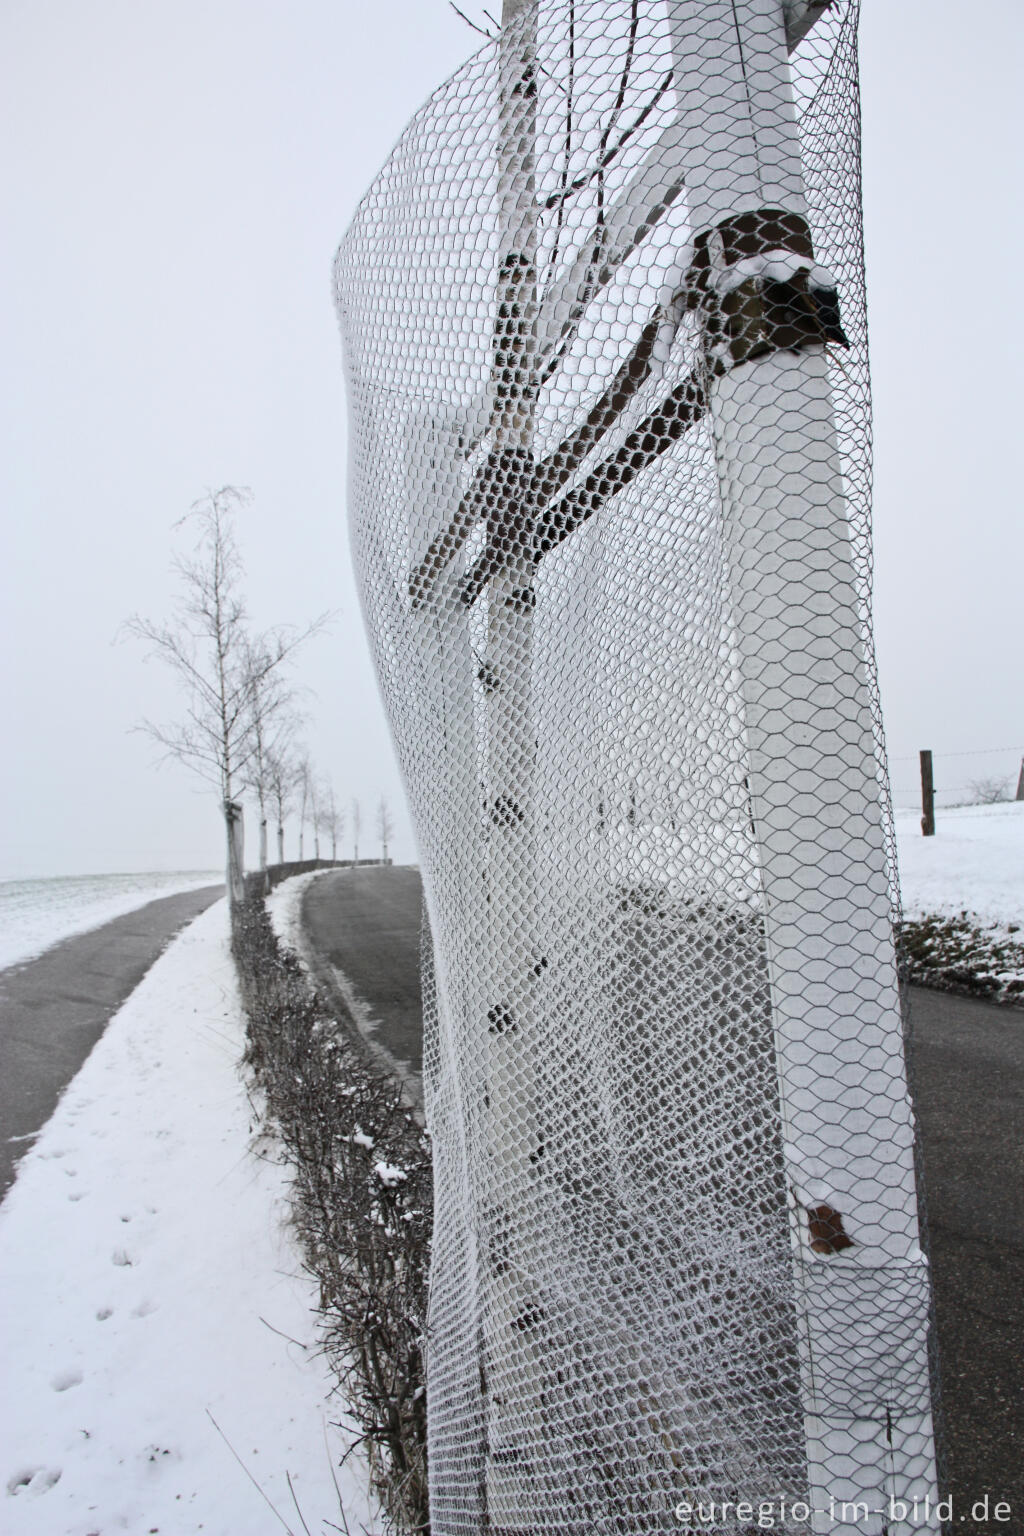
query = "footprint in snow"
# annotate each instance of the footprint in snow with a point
(65, 1379)
(122, 1259)
(33, 1480)
(76, 1195)
(104, 1313)
(145, 1308)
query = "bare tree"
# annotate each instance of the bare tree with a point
(990, 791)
(357, 827)
(304, 786)
(385, 827)
(273, 720)
(222, 668)
(282, 775)
(316, 810)
(332, 817)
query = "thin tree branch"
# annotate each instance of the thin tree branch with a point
(462, 15)
(557, 198)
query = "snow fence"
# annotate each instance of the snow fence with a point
(604, 326)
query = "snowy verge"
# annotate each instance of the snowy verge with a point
(284, 906)
(158, 1333)
(963, 900)
(36, 914)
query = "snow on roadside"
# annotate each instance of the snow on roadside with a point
(158, 1331)
(35, 914)
(963, 900)
(284, 906)
(974, 863)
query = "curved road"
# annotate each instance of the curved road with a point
(54, 1009)
(362, 930)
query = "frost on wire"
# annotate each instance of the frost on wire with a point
(603, 314)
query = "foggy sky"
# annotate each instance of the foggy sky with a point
(175, 179)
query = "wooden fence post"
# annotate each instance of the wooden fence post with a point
(927, 796)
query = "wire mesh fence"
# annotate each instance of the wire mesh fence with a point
(604, 327)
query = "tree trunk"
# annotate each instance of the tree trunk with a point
(513, 1360)
(847, 1135)
(263, 843)
(235, 828)
(280, 842)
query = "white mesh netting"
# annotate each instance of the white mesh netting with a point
(604, 326)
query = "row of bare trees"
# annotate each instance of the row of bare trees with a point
(292, 788)
(241, 717)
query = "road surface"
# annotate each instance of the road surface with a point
(55, 1008)
(362, 929)
(969, 1091)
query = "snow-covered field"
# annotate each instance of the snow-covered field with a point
(37, 913)
(974, 863)
(160, 1364)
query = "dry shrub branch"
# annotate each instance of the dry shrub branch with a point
(961, 953)
(362, 1204)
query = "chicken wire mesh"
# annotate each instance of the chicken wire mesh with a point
(604, 327)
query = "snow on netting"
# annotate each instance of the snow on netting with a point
(603, 315)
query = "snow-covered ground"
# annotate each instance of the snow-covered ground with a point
(974, 863)
(37, 913)
(284, 906)
(161, 1371)
(160, 1362)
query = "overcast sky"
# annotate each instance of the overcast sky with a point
(176, 175)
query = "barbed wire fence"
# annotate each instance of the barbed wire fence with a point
(970, 776)
(604, 328)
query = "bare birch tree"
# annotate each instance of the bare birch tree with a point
(274, 720)
(304, 790)
(357, 827)
(385, 827)
(332, 817)
(281, 782)
(316, 811)
(223, 669)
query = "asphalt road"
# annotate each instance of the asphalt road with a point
(362, 929)
(969, 1091)
(55, 1008)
